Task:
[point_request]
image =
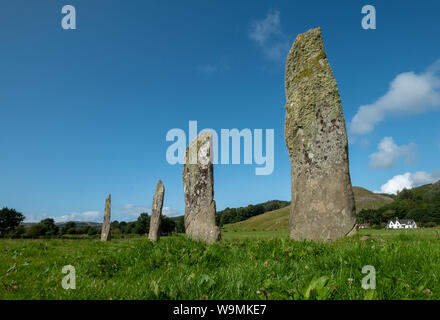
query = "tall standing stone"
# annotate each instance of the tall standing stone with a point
(156, 212)
(198, 185)
(105, 229)
(323, 206)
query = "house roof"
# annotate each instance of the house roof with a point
(404, 221)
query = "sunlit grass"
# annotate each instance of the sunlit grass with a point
(245, 265)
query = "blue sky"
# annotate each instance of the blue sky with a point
(85, 112)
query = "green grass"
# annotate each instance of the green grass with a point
(231, 235)
(269, 221)
(245, 265)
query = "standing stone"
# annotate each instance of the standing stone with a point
(323, 206)
(105, 229)
(198, 186)
(156, 212)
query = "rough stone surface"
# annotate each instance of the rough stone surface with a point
(156, 212)
(198, 185)
(323, 206)
(105, 229)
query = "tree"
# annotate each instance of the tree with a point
(167, 225)
(68, 228)
(142, 225)
(130, 227)
(9, 220)
(115, 227)
(123, 226)
(50, 226)
(36, 230)
(92, 231)
(82, 230)
(180, 226)
(389, 214)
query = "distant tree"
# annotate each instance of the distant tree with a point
(130, 227)
(17, 232)
(69, 228)
(389, 214)
(9, 220)
(114, 224)
(82, 230)
(51, 227)
(36, 230)
(406, 194)
(142, 225)
(114, 227)
(92, 231)
(429, 225)
(123, 226)
(180, 225)
(167, 226)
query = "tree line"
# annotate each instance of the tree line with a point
(11, 223)
(11, 226)
(421, 204)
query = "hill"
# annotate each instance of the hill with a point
(421, 204)
(269, 221)
(365, 199)
(279, 219)
(234, 215)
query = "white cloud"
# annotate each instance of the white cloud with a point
(389, 153)
(31, 217)
(267, 33)
(409, 180)
(126, 212)
(262, 30)
(170, 212)
(408, 93)
(130, 212)
(78, 216)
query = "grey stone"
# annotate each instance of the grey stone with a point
(323, 207)
(156, 212)
(105, 229)
(198, 185)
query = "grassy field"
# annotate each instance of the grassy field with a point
(245, 265)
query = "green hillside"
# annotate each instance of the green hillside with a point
(422, 204)
(279, 219)
(365, 199)
(273, 220)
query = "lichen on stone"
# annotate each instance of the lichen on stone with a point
(317, 143)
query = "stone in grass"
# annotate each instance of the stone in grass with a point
(198, 186)
(323, 207)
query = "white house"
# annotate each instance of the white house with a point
(401, 224)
